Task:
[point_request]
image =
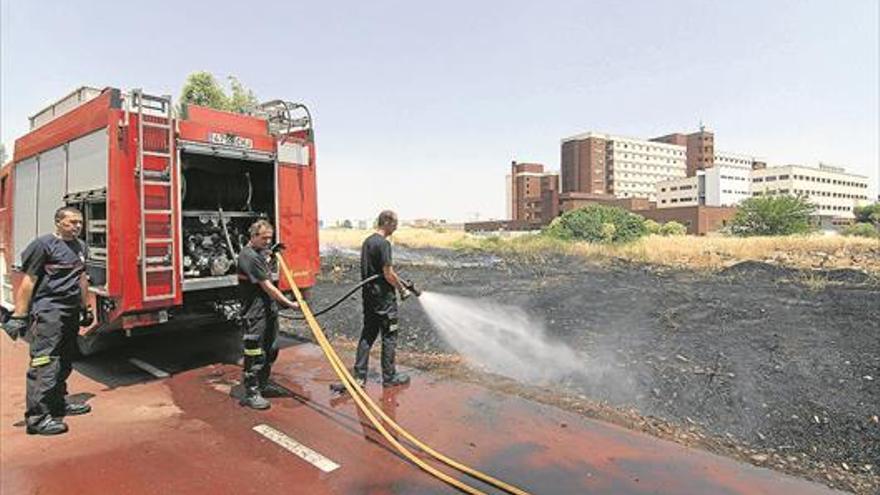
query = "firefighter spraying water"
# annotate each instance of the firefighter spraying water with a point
(167, 201)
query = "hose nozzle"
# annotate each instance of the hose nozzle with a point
(410, 286)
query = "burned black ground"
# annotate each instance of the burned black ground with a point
(783, 361)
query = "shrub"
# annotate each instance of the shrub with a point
(673, 228)
(861, 229)
(773, 215)
(652, 227)
(868, 214)
(598, 223)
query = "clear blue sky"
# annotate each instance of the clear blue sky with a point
(421, 106)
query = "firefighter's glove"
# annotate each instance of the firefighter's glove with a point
(16, 326)
(86, 317)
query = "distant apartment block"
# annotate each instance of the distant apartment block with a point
(533, 194)
(596, 163)
(833, 191)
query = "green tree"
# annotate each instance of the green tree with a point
(773, 215)
(202, 89)
(868, 214)
(2, 154)
(598, 223)
(242, 99)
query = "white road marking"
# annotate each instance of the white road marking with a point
(149, 368)
(298, 449)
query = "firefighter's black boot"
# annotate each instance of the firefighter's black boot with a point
(48, 426)
(339, 388)
(253, 399)
(397, 379)
(271, 389)
(75, 409)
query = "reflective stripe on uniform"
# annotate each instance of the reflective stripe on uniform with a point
(253, 352)
(41, 360)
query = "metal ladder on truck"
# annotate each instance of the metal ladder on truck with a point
(155, 173)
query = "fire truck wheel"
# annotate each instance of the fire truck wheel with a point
(88, 345)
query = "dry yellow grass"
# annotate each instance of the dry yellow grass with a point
(404, 236)
(710, 252)
(715, 252)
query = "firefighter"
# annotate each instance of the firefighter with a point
(380, 303)
(259, 316)
(50, 307)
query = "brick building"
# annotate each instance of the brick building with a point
(700, 148)
(596, 163)
(533, 194)
(699, 220)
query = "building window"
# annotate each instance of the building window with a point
(3, 193)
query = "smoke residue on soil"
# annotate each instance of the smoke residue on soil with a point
(782, 361)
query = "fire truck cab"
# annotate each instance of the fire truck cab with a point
(167, 196)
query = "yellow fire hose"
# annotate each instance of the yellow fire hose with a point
(368, 407)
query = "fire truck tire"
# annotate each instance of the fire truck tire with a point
(88, 345)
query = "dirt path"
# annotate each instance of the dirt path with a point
(775, 366)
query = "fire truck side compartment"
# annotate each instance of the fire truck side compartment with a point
(221, 198)
(83, 152)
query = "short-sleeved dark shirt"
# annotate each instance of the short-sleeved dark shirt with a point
(253, 268)
(57, 265)
(379, 297)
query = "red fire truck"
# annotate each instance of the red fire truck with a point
(167, 195)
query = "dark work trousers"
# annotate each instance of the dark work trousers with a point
(374, 324)
(260, 351)
(52, 349)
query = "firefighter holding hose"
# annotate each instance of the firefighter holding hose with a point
(50, 307)
(259, 316)
(380, 303)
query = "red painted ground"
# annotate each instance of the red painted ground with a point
(186, 435)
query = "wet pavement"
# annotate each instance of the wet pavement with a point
(186, 434)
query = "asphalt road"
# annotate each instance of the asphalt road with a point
(186, 434)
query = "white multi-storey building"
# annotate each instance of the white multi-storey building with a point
(625, 167)
(635, 166)
(726, 183)
(681, 192)
(833, 191)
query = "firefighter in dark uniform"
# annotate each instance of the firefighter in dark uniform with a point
(50, 307)
(380, 303)
(259, 316)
